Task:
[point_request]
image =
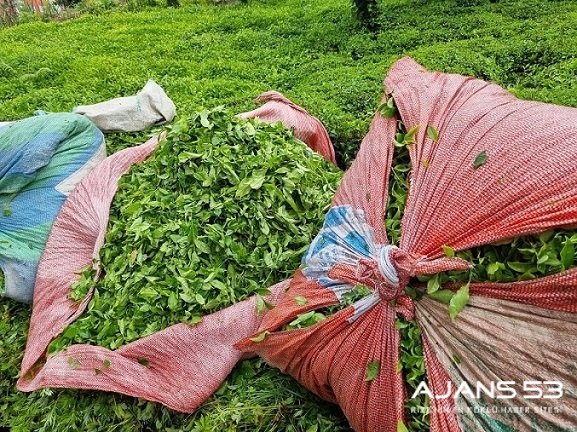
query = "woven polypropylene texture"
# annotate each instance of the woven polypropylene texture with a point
(179, 367)
(307, 128)
(503, 341)
(74, 241)
(442, 411)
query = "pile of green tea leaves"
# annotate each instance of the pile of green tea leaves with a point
(223, 209)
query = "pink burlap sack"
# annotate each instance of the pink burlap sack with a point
(198, 358)
(516, 332)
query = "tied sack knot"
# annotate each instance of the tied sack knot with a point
(387, 275)
(391, 269)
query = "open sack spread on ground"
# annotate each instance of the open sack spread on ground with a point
(223, 208)
(41, 161)
(485, 167)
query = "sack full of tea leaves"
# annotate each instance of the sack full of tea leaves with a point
(485, 168)
(221, 209)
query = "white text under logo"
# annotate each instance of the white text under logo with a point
(496, 390)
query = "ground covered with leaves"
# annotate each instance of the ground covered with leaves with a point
(314, 52)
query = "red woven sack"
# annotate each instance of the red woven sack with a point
(187, 364)
(516, 332)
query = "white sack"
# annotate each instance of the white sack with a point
(150, 106)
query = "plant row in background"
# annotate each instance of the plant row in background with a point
(11, 11)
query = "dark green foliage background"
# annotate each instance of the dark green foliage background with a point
(205, 55)
(367, 12)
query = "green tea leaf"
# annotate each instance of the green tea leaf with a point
(172, 301)
(261, 337)
(307, 318)
(262, 291)
(257, 180)
(243, 189)
(259, 304)
(493, 268)
(144, 362)
(459, 301)
(301, 301)
(204, 119)
(433, 284)
(567, 254)
(133, 256)
(373, 369)
(411, 135)
(387, 109)
(545, 236)
(480, 159)
(433, 133)
(186, 156)
(262, 304)
(74, 363)
(196, 319)
(448, 251)
(200, 299)
(520, 267)
(401, 427)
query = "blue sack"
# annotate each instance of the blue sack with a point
(41, 160)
